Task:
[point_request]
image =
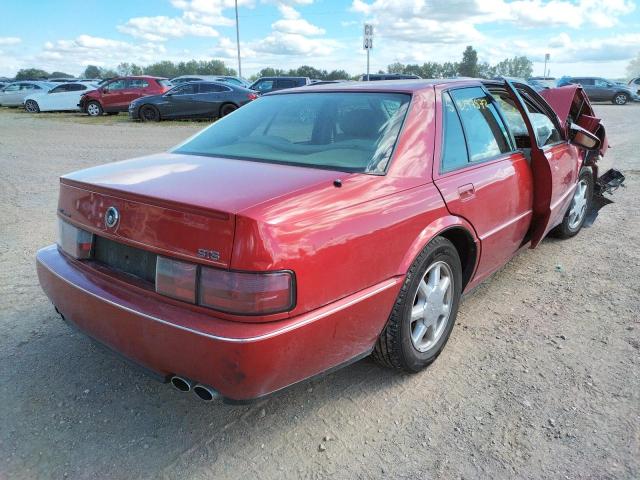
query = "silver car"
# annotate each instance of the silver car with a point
(13, 94)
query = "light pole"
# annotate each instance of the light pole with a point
(546, 59)
(238, 41)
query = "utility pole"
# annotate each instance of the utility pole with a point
(238, 41)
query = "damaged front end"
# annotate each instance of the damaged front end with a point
(572, 106)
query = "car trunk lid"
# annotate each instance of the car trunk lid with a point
(177, 205)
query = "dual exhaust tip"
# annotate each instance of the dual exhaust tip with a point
(204, 392)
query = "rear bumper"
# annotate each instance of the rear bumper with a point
(242, 361)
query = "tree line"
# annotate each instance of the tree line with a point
(468, 66)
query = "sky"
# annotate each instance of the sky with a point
(583, 37)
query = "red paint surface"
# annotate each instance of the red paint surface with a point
(343, 244)
(119, 100)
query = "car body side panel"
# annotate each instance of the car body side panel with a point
(495, 196)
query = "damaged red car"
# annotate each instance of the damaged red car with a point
(319, 225)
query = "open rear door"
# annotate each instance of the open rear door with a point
(542, 173)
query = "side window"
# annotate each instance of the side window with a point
(601, 83)
(513, 118)
(59, 89)
(545, 129)
(138, 83)
(185, 89)
(287, 83)
(116, 85)
(265, 86)
(485, 133)
(26, 86)
(587, 82)
(211, 87)
(454, 150)
(12, 88)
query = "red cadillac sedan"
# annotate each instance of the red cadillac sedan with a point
(317, 226)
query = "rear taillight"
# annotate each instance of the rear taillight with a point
(74, 241)
(176, 279)
(252, 96)
(245, 293)
(240, 293)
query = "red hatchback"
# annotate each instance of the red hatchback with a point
(116, 94)
(316, 226)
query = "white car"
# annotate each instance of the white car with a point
(64, 97)
(13, 95)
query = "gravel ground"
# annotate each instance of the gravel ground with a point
(540, 378)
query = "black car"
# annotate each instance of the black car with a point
(388, 76)
(601, 89)
(191, 100)
(271, 84)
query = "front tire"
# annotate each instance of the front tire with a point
(425, 311)
(32, 106)
(620, 99)
(580, 203)
(94, 109)
(149, 113)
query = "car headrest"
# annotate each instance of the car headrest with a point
(360, 123)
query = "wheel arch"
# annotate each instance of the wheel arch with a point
(459, 232)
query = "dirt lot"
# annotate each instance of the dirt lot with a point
(540, 379)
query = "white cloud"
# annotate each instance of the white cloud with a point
(293, 23)
(162, 28)
(10, 40)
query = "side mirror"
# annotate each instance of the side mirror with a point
(583, 138)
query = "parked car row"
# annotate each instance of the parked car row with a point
(600, 89)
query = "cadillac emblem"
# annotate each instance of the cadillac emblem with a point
(111, 217)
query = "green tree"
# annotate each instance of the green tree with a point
(307, 71)
(468, 67)
(338, 75)
(633, 69)
(60, 75)
(162, 69)
(396, 67)
(126, 69)
(31, 74)
(91, 72)
(520, 67)
(271, 72)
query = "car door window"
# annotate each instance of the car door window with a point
(76, 87)
(286, 83)
(586, 82)
(185, 89)
(12, 88)
(138, 83)
(484, 131)
(545, 129)
(264, 86)
(27, 86)
(602, 83)
(59, 89)
(211, 88)
(454, 149)
(116, 85)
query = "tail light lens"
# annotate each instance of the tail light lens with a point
(176, 279)
(74, 241)
(246, 293)
(252, 96)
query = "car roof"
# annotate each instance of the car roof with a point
(398, 86)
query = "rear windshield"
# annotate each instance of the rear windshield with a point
(348, 131)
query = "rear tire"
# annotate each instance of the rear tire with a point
(420, 308)
(32, 106)
(620, 99)
(94, 109)
(577, 212)
(149, 113)
(227, 109)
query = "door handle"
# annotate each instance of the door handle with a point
(467, 191)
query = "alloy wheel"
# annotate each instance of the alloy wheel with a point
(578, 207)
(620, 99)
(431, 306)
(31, 106)
(93, 110)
